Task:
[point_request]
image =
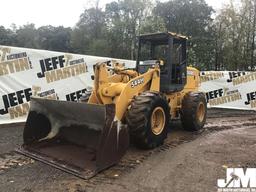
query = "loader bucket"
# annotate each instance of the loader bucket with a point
(79, 138)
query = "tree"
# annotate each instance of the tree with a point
(153, 24)
(124, 19)
(226, 42)
(54, 38)
(6, 36)
(252, 65)
(27, 36)
(235, 35)
(193, 19)
(89, 35)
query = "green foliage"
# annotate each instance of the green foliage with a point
(124, 20)
(27, 36)
(89, 35)
(153, 24)
(226, 42)
(193, 19)
(7, 37)
(235, 36)
(45, 37)
(54, 38)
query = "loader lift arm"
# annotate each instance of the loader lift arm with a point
(106, 91)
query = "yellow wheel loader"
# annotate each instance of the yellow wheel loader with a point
(125, 105)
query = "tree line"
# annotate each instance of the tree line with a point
(218, 40)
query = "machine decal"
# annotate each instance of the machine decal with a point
(190, 73)
(137, 82)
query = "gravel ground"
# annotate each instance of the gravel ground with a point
(186, 162)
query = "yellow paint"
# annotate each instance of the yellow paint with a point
(175, 99)
(123, 85)
(157, 120)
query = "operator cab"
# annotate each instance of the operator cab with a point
(169, 51)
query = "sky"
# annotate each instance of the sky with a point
(53, 12)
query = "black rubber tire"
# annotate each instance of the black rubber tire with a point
(190, 105)
(138, 119)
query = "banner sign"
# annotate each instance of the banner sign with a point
(65, 76)
(29, 72)
(229, 89)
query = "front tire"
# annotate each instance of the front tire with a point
(148, 119)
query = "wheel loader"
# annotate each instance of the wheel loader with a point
(126, 105)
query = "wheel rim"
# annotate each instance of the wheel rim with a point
(200, 111)
(157, 120)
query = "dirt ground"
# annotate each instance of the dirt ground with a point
(186, 162)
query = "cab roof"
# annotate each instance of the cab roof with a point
(161, 36)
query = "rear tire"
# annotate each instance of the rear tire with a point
(148, 119)
(193, 111)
